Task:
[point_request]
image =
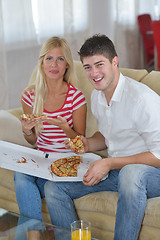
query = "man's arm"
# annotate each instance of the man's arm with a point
(99, 169)
(141, 158)
(96, 142)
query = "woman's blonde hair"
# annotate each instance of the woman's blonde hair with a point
(40, 82)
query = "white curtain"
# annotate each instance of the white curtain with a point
(19, 29)
(128, 40)
(76, 23)
(26, 25)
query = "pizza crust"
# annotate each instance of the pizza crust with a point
(32, 116)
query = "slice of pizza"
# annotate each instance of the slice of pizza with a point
(32, 116)
(66, 167)
(77, 144)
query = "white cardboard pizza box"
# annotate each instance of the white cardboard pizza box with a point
(34, 162)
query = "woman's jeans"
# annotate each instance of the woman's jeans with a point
(134, 183)
(29, 191)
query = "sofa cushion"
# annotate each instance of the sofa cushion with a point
(104, 202)
(152, 80)
(6, 179)
(137, 74)
(11, 130)
(86, 87)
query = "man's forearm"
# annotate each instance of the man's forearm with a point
(142, 158)
(96, 142)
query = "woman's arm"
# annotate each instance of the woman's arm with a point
(79, 123)
(28, 126)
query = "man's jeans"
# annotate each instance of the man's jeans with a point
(134, 183)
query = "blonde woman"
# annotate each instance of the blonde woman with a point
(64, 106)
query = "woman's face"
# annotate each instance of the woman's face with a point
(54, 64)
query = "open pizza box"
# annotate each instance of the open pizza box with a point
(37, 163)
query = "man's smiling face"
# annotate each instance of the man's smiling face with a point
(100, 71)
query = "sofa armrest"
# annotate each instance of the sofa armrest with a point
(17, 112)
(10, 128)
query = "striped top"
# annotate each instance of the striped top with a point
(51, 138)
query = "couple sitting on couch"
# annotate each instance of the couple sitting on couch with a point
(128, 116)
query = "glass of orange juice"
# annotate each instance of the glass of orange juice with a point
(81, 230)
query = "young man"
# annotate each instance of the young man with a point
(128, 118)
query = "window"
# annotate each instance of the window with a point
(27, 22)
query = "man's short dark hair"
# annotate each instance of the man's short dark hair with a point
(98, 45)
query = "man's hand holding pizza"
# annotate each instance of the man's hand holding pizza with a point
(78, 145)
